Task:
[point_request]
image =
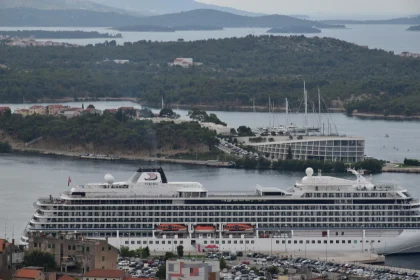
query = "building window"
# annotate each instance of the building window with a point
(145, 242)
(74, 247)
(103, 258)
(138, 242)
(283, 242)
(126, 242)
(205, 241)
(252, 241)
(49, 246)
(133, 242)
(103, 249)
(157, 242)
(53, 246)
(181, 242)
(295, 241)
(87, 249)
(175, 242)
(35, 245)
(169, 242)
(109, 247)
(69, 247)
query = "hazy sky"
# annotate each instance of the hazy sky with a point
(331, 7)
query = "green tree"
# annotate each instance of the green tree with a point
(161, 273)
(5, 147)
(180, 250)
(146, 113)
(169, 255)
(222, 263)
(273, 269)
(245, 131)
(167, 113)
(146, 252)
(41, 259)
(289, 153)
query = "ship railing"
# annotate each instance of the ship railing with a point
(415, 201)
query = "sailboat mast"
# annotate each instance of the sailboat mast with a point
(305, 95)
(269, 112)
(287, 112)
(319, 106)
(163, 105)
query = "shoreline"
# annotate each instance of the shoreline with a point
(120, 158)
(383, 117)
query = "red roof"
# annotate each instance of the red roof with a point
(36, 107)
(126, 108)
(102, 273)
(66, 277)
(27, 273)
(4, 108)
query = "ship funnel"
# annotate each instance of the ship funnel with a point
(109, 179)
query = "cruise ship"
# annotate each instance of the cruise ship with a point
(318, 213)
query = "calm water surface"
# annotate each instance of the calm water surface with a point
(28, 177)
(388, 37)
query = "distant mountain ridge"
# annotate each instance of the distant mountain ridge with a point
(169, 6)
(73, 18)
(224, 19)
(56, 5)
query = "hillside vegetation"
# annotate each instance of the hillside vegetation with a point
(107, 134)
(234, 72)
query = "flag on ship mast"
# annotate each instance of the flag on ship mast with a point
(69, 181)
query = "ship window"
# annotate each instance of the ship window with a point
(138, 242)
(295, 242)
(145, 242)
(235, 242)
(157, 242)
(307, 241)
(313, 241)
(223, 242)
(181, 242)
(277, 241)
(283, 242)
(150, 242)
(133, 242)
(175, 242)
(205, 241)
(349, 241)
(229, 242)
(319, 241)
(300, 241)
(325, 241)
(289, 242)
(217, 241)
(331, 241)
(252, 241)
(379, 241)
(241, 242)
(247, 242)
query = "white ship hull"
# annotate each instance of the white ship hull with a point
(379, 242)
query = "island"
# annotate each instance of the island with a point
(157, 28)
(43, 34)
(218, 74)
(414, 28)
(294, 29)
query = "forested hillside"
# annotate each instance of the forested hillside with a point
(106, 133)
(234, 72)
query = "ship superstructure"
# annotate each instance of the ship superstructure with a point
(318, 213)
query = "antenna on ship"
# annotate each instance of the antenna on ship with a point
(319, 107)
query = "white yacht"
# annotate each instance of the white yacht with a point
(318, 213)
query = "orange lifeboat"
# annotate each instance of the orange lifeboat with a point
(204, 229)
(171, 227)
(238, 227)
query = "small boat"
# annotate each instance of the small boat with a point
(204, 229)
(172, 227)
(386, 136)
(238, 227)
(216, 163)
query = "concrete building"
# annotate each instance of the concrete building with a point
(91, 111)
(72, 251)
(23, 112)
(71, 112)
(220, 129)
(326, 148)
(104, 274)
(37, 110)
(4, 109)
(10, 256)
(192, 270)
(183, 62)
(54, 109)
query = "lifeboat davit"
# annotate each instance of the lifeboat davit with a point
(204, 229)
(172, 227)
(238, 227)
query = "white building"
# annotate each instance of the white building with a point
(220, 129)
(327, 148)
(183, 62)
(192, 270)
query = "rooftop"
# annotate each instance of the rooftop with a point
(111, 273)
(27, 273)
(66, 277)
(286, 139)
